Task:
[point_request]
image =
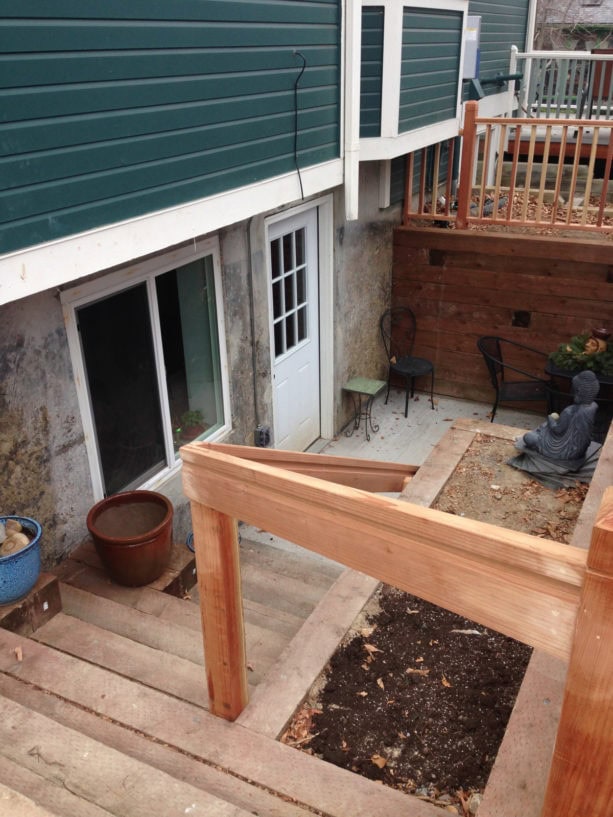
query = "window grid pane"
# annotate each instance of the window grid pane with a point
(279, 339)
(289, 295)
(302, 324)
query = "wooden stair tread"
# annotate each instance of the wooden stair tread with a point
(54, 799)
(182, 767)
(305, 566)
(191, 729)
(280, 592)
(169, 607)
(263, 646)
(130, 623)
(18, 805)
(122, 785)
(153, 667)
(180, 573)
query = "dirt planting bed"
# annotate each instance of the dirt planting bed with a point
(415, 696)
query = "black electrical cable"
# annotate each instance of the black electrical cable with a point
(298, 78)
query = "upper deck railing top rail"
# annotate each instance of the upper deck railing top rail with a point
(528, 172)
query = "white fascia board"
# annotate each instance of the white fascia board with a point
(56, 263)
(380, 149)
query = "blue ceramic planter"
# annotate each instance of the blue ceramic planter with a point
(19, 571)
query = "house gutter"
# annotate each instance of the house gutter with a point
(353, 37)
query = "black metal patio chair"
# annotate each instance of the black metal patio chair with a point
(398, 327)
(522, 389)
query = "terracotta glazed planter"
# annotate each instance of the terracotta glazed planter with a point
(132, 533)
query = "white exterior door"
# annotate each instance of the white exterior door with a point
(294, 301)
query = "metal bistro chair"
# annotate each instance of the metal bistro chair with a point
(398, 327)
(529, 388)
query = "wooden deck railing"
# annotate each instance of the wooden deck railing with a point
(556, 175)
(555, 597)
(564, 84)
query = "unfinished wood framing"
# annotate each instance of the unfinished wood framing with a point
(582, 771)
(532, 589)
(518, 584)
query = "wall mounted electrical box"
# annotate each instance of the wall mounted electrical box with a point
(262, 436)
(472, 47)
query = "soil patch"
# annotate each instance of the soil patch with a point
(417, 697)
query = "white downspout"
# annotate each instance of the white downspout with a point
(353, 42)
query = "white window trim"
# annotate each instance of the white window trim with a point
(138, 272)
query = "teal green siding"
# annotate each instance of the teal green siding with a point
(115, 109)
(431, 43)
(398, 172)
(371, 76)
(502, 25)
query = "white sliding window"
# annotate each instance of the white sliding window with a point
(147, 346)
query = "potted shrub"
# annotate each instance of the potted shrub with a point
(192, 424)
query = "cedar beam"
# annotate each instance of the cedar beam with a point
(368, 475)
(518, 584)
(465, 185)
(581, 777)
(221, 608)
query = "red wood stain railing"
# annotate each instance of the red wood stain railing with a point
(540, 173)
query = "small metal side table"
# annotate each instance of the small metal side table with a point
(363, 391)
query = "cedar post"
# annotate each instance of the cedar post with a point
(221, 609)
(581, 776)
(465, 184)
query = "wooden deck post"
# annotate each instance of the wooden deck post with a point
(465, 184)
(581, 777)
(221, 609)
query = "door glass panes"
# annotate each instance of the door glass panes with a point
(119, 359)
(289, 292)
(152, 361)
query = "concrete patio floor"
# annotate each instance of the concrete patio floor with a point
(411, 439)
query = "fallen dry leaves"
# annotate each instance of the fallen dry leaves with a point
(299, 731)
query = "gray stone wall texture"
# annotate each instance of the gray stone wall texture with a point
(44, 472)
(44, 469)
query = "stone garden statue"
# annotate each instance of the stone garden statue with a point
(568, 436)
(560, 451)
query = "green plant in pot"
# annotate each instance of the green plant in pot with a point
(586, 352)
(192, 424)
